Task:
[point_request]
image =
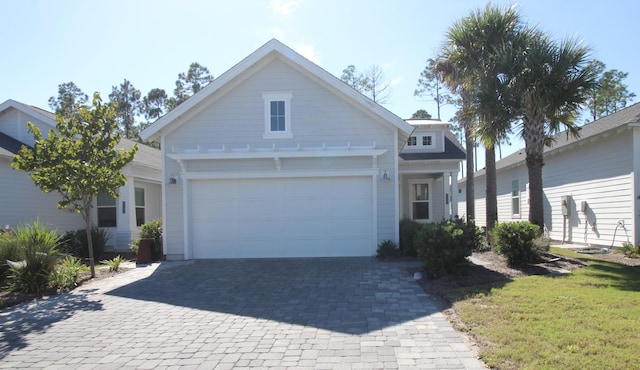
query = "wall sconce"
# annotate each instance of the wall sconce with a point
(173, 180)
(385, 176)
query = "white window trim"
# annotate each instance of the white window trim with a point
(412, 138)
(519, 197)
(412, 197)
(433, 139)
(277, 96)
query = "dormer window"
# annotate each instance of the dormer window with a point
(277, 115)
(413, 141)
(427, 140)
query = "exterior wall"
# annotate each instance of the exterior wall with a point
(22, 202)
(237, 119)
(14, 123)
(599, 172)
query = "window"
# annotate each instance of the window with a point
(515, 198)
(277, 112)
(107, 210)
(412, 141)
(427, 140)
(420, 201)
(139, 206)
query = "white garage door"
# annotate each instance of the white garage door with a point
(300, 217)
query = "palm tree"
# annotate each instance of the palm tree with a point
(470, 47)
(551, 81)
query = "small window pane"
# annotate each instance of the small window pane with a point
(107, 217)
(412, 141)
(421, 191)
(421, 211)
(139, 216)
(515, 206)
(427, 140)
(277, 116)
(139, 197)
(515, 188)
(106, 200)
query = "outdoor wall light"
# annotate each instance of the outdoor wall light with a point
(173, 180)
(385, 176)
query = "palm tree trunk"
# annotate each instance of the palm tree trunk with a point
(534, 136)
(491, 191)
(469, 143)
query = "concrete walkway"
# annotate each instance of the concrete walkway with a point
(323, 313)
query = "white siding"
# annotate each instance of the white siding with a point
(22, 202)
(236, 119)
(599, 173)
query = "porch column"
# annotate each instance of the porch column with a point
(453, 198)
(446, 188)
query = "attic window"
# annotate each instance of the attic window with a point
(427, 140)
(413, 141)
(277, 115)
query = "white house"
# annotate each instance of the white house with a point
(21, 202)
(279, 158)
(591, 184)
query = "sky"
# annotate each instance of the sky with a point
(98, 44)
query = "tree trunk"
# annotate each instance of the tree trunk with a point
(491, 191)
(534, 136)
(536, 190)
(87, 219)
(470, 191)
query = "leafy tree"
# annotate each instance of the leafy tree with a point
(431, 84)
(421, 114)
(127, 105)
(353, 78)
(187, 84)
(69, 95)
(609, 94)
(154, 105)
(79, 161)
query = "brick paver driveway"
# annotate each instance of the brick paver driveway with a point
(320, 313)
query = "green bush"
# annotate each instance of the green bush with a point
(153, 230)
(386, 249)
(9, 250)
(517, 241)
(67, 273)
(408, 231)
(445, 246)
(629, 250)
(39, 254)
(75, 243)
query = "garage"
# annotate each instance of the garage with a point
(282, 217)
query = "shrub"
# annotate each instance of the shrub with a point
(629, 250)
(517, 241)
(67, 273)
(408, 230)
(39, 252)
(153, 230)
(386, 249)
(75, 243)
(114, 263)
(445, 246)
(9, 250)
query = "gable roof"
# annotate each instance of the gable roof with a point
(275, 48)
(562, 141)
(9, 146)
(41, 114)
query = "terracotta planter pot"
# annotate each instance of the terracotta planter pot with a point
(144, 251)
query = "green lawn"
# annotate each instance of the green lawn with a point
(589, 319)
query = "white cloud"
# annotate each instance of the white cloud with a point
(284, 8)
(307, 51)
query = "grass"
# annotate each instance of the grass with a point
(585, 320)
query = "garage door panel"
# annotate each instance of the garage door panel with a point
(299, 217)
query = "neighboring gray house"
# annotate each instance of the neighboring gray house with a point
(22, 202)
(279, 158)
(591, 184)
